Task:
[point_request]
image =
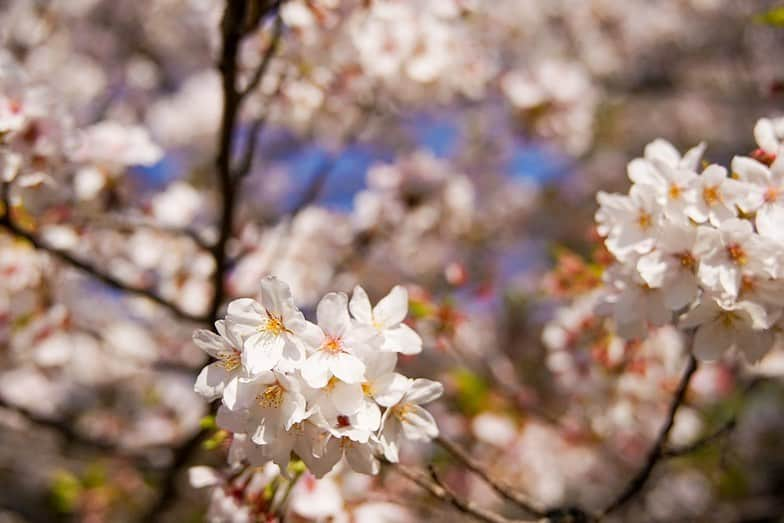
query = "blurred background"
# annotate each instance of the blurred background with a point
(452, 146)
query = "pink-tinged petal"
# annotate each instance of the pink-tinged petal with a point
(211, 381)
(232, 333)
(360, 306)
(712, 341)
(332, 314)
(754, 345)
(360, 458)
(233, 421)
(419, 424)
(316, 371)
(347, 368)
(424, 391)
(706, 310)
(319, 467)
(390, 388)
(392, 308)
(681, 291)
(402, 339)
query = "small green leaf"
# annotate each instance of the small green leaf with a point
(66, 490)
(774, 17)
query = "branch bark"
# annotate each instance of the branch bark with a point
(656, 452)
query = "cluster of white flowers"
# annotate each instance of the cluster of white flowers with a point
(700, 247)
(288, 385)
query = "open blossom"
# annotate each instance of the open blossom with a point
(274, 331)
(226, 347)
(769, 134)
(321, 409)
(730, 251)
(628, 222)
(262, 406)
(335, 352)
(707, 248)
(672, 265)
(408, 420)
(715, 196)
(722, 326)
(387, 318)
(764, 194)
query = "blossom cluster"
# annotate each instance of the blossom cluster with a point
(322, 391)
(700, 246)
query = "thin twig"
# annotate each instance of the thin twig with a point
(131, 223)
(258, 74)
(505, 491)
(656, 452)
(443, 494)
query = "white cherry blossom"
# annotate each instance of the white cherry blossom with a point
(387, 318)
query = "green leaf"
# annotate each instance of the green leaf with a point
(774, 17)
(66, 490)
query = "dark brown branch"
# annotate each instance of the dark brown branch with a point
(724, 429)
(657, 451)
(66, 430)
(439, 491)
(96, 273)
(505, 491)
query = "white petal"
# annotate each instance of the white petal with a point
(310, 333)
(319, 467)
(211, 381)
(348, 368)
(209, 342)
(315, 370)
(712, 341)
(360, 306)
(681, 291)
(245, 312)
(276, 296)
(346, 397)
(392, 308)
(262, 352)
(424, 391)
(770, 222)
(233, 421)
(390, 388)
(332, 314)
(402, 339)
(418, 424)
(360, 458)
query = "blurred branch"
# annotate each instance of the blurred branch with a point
(722, 430)
(65, 428)
(258, 74)
(505, 491)
(131, 223)
(7, 221)
(656, 452)
(440, 491)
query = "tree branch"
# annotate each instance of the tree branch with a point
(105, 278)
(439, 491)
(657, 451)
(505, 491)
(258, 74)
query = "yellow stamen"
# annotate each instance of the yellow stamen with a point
(272, 397)
(229, 360)
(736, 254)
